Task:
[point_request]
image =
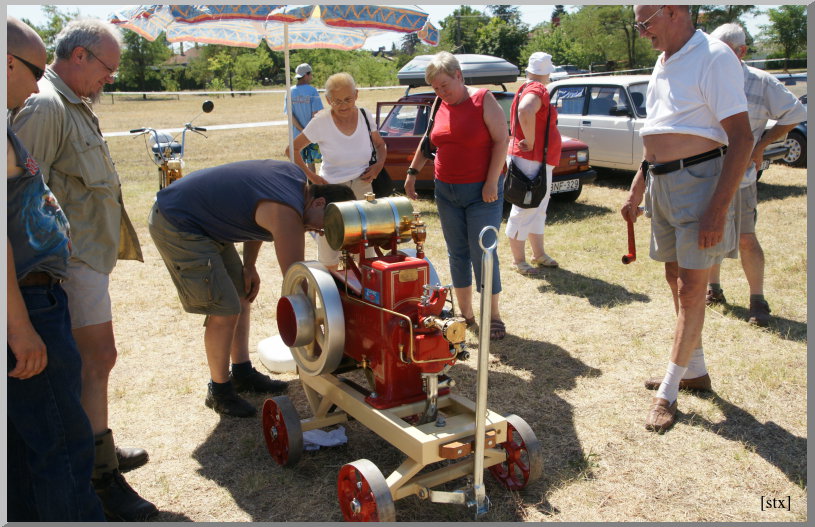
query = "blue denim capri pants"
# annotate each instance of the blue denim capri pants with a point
(463, 213)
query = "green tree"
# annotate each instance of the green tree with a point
(557, 14)
(502, 39)
(366, 69)
(709, 17)
(56, 21)
(409, 43)
(139, 68)
(507, 13)
(593, 34)
(787, 31)
(459, 31)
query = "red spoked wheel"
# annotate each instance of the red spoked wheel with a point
(524, 462)
(364, 494)
(281, 429)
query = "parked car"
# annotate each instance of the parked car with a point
(559, 73)
(797, 143)
(403, 123)
(797, 137)
(607, 112)
(571, 69)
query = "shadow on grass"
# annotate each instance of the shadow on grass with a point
(234, 456)
(783, 327)
(167, 516)
(777, 446)
(771, 191)
(598, 292)
(567, 212)
(552, 371)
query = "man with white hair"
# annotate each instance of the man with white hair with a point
(767, 99)
(62, 133)
(696, 145)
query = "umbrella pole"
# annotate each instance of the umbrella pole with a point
(288, 89)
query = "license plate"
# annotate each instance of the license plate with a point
(764, 165)
(565, 186)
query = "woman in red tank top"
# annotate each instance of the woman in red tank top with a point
(470, 133)
(533, 111)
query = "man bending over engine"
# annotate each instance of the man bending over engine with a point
(195, 223)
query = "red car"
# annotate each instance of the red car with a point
(405, 122)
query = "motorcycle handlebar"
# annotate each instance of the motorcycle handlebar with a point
(138, 130)
(198, 129)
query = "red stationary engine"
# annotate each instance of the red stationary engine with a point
(383, 314)
(386, 315)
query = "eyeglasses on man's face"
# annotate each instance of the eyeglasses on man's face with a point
(642, 27)
(112, 72)
(35, 70)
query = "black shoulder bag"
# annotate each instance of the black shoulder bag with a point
(426, 147)
(518, 189)
(372, 161)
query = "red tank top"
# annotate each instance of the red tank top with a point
(463, 142)
(553, 152)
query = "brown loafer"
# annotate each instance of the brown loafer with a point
(697, 384)
(661, 415)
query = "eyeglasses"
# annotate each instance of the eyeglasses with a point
(112, 72)
(342, 102)
(642, 27)
(36, 71)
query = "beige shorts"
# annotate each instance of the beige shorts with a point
(748, 206)
(207, 274)
(676, 201)
(88, 295)
(325, 254)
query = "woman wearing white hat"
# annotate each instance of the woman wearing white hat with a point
(526, 151)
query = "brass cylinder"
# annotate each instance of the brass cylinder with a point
(349, 222)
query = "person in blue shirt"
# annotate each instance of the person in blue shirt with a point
(305, 103)
(195, 224)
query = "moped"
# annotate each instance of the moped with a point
(165, 150)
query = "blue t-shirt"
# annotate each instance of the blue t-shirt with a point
(37, 227)
(306, 101)
(220, 202)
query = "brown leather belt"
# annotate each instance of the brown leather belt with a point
(673, 166)
(38, 278)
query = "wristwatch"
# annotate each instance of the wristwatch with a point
(412, 171)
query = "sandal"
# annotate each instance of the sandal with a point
(497, 329)
(524, 269)
(470, 322)
(545, 261)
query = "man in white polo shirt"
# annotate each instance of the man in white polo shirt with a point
(692, 178)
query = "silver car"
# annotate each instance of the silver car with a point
(607, 113)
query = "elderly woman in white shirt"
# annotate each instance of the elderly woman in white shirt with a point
(353, 151)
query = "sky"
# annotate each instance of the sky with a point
(530, 14)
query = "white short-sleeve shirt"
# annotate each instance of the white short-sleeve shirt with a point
(694, 90)
(345, 157)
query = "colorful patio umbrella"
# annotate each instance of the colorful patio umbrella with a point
(344, 27)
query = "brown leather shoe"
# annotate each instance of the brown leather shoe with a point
(697, 384)
(661, 415)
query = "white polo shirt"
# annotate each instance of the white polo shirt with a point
(695, 89)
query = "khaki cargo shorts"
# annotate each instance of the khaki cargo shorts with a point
(676, 202)
(748, 207)
(207, 274)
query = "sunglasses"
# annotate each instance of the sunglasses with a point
(35, 70)
(642, 27)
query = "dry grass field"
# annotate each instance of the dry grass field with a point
(581, 339)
